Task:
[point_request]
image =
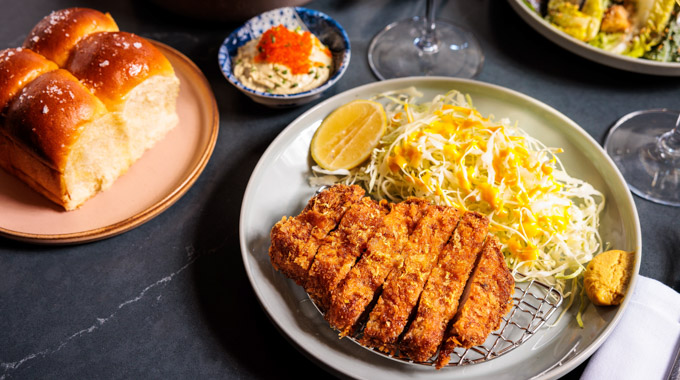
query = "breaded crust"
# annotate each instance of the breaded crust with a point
(409, 278)
(383, 253)
(295, 240)
(486, 300)
(341, 248)
(400, 293)
(439, 300)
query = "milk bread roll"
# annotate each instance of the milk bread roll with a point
(63, 142)
(133, 79)
(57, 33)
(69, 132)
(17, 68)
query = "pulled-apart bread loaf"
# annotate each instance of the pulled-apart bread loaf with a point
(80, 103)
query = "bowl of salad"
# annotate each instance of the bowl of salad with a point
(635, 35)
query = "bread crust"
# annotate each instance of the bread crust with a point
(57, 33)
(18, 67)
(56, 135)
(47, 115)
(111, 64)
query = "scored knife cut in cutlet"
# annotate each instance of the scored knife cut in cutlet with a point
(295, 240)
(439, 300)
(340, 249)
(383, 253)
(400, 293)
(487, 298)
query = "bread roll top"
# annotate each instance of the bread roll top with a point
(112, 64)
(17, 68)
(55, 35)
(48, 114)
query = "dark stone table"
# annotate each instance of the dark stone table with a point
(170, 299)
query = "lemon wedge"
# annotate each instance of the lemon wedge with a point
(347, 136)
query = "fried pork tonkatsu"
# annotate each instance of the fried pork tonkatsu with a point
(383, 253)
(407, 278)
(403, 286)
(341, 248)
(439, 300)
(486, 300)
(294, 241)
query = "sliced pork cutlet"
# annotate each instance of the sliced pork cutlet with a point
(295, 240)
(383, 253)
(400, 293)
(439, 300)
(487, 298)
(342, 247)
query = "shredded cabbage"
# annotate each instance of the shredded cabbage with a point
(444, 150)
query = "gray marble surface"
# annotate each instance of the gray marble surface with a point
(170, 299)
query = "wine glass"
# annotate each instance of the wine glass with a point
(424, 46)
(645, 145)
(646, 148)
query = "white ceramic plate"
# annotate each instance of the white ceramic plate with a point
(638, 65)
(154, 183)
(278, 187)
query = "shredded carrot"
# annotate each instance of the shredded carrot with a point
(289, 48)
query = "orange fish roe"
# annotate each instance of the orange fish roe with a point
(283, 46)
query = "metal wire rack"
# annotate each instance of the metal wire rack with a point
(534, 304)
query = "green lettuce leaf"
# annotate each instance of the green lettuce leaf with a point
(651, 22)
(668, 50)
(581, 23)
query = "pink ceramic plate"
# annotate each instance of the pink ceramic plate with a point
(152, 184)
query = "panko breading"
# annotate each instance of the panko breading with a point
(400, 293)
(341, 248)
(439, 300)
(294, 241)
(406, 278)
(487, 298)
(383, 253)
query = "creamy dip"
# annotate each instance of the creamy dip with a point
(283, 61)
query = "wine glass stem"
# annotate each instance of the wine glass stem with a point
(428, 43)
(669, 142)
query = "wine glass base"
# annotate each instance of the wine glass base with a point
(632, 145)
(394, 51)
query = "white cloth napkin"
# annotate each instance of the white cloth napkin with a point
(644, 343)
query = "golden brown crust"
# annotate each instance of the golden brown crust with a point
(57, 136)
(47, 114)
(295, 240)
(57, 33)
(439, 300)
(31, 169)
(18, 67)
(383, 253)
(341, 248)
(438, 291)
(487, 299)
(111, 64)
(400, 293)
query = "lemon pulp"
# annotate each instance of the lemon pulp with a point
(347, 136)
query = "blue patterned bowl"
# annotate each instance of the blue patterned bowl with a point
(318, 23)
